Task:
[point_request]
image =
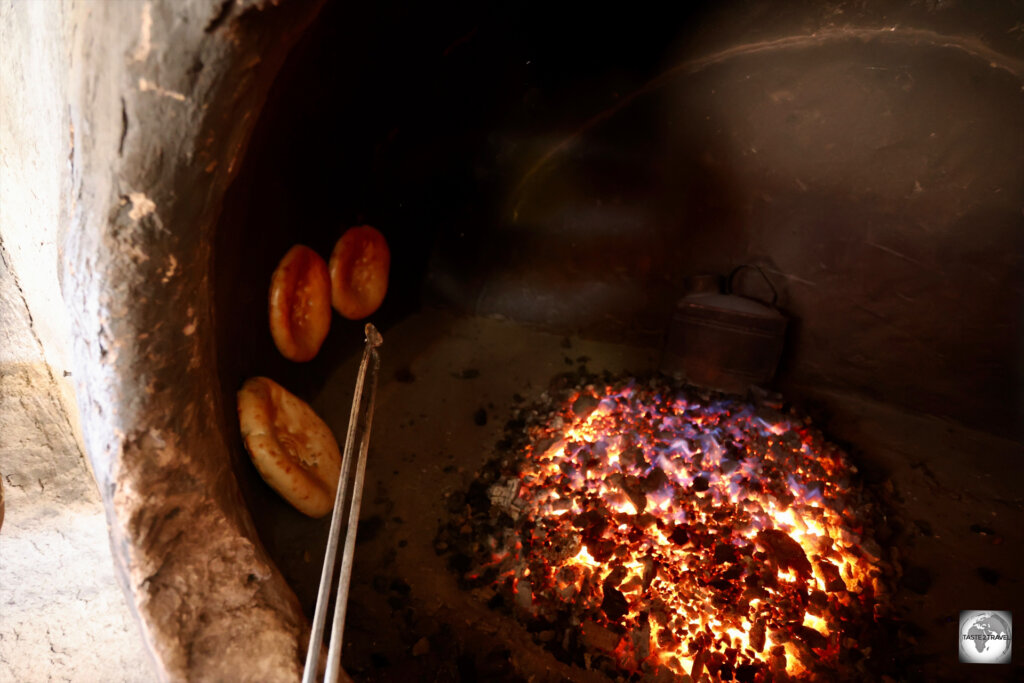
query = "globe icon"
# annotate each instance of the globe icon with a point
(985, 637)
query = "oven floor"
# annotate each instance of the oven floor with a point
(441, 377)
(446, 389)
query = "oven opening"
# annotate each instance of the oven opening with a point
(701, 335)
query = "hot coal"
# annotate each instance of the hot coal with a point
(655, 531)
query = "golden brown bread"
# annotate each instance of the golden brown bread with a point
(300, 303)
(293, 449)
(359, 272)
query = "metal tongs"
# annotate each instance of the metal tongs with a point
(358, 433)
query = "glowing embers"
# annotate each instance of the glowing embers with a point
(680, 535)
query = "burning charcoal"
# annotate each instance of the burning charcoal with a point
(783, 496)
(667, 639)
(642, 639)
(698, 665)
(564, 545)
(623, 660)
(871, 549)
(597, 637)
(567, 591)
(633, 456)
(502, 494)
(723, 512)
(725, 553)
(778, 662)
(700, 537)
(544, 445)
(631, 584)
(711, 451)
(746, 673)
(729, 465)
(786, 552)
(825, 546)
(815, 490)
(584, 405)
(615, 577)
(804, 653)
(661, 674)
(644, 521)
(591, 519)
(780, 636)
(633, 489)
(751, 505)
(757, 636)
(599, 549)
(658, 610)
(734, 572)
(614, 604)
(812, 638)
(648, 572)
(655, 480)
(818, 602)
(714, 663)
(833, 581)
(679, 535)
(848, 538)
(516, 509)
(561, 505)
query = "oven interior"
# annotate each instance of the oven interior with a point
(548, 178)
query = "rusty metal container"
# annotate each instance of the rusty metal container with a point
(721, 340)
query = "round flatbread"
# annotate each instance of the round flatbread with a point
(300, 303)
(359, 269)
(292, 448)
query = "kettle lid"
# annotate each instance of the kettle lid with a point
(730, 302)
(705, 291)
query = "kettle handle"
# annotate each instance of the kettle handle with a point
(737, 269)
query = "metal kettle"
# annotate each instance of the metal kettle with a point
(721, 340)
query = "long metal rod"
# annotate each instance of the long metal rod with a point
(359, 421)
(344, 580)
